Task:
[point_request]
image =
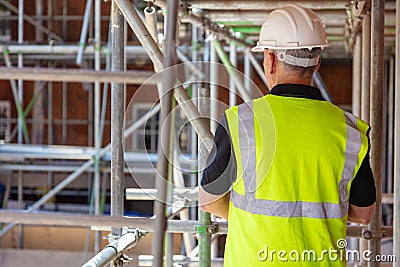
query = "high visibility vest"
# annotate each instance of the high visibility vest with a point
(296, 159)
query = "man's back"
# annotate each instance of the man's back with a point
(301, 165)
(293, 181)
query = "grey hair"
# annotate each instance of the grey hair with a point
(302, 53)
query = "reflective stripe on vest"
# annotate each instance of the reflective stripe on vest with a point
(289, 209)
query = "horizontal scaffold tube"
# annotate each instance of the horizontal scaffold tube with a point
(98, 221)
(78, 75)
(101, 221)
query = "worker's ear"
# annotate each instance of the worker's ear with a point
(272, 63)
(269, 62)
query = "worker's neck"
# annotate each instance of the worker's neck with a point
(282, 79)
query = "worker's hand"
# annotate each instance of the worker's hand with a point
(215, 204)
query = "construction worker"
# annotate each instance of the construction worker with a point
(289, 170)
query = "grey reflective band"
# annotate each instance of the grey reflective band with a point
(247, 146)
(353, 146)
(289, 209)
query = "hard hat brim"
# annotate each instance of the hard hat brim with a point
(260, 48)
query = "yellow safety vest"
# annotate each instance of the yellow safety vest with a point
(296, 159)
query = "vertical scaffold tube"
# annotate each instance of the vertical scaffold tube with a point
(204, 217)
(213, 88)
(169, 77)
(366, 67)
(97, 103)
(396, 166)
(117, 116)
(377, 83)
(357, 61)
(156, 56)
(233, 60)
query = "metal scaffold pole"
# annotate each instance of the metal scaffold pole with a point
(97, 137)
(84, 31)
(20, 118)
(77, 75)
(357, 61)
(29, 19)
(257, 67)
(390, 129)
(213, 88)
(105, 222)
(365, 87)
(117, 117)
(233, 73)
(20, 63)
(377, 83)
(366, 67)
(169, 75)
(29, 50)
(73, 176)
(155, 55)
(233, 60)
(211, 111)
(248, 72)
(319, 82)
(396, 166)
(151, 22)
(204, 217)
(37, 129)
(193, 135)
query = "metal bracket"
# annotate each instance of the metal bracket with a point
(138, 232)
(111, 237)
(123, 259)
(207, 229)
(369, 234)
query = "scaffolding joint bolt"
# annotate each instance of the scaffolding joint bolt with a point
(369, 234)
(207, 229)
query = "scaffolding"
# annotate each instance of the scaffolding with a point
(228, 29)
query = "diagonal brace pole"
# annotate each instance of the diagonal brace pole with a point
(156, 56)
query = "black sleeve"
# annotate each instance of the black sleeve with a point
(362, 190)
(220, 171)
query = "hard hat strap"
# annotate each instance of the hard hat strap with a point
(296, 61)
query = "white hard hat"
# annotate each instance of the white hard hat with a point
(291, 27)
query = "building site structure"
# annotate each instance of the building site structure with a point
(100, 162)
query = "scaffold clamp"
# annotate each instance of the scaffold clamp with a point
(207, 229)
(369, 234)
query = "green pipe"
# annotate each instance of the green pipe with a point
(21, 114)
(336, 38)
(24, 128)
(103, 196)
(246, 29)
(204, 240)
(33, 100)
(234, 23)
(231, 70)
(17, 104)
